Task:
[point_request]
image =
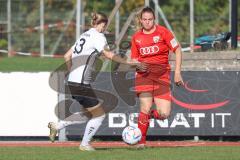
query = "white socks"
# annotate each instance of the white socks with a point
(60, 125)
(77, 118)
(91, 128)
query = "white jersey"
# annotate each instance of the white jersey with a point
(90, 44)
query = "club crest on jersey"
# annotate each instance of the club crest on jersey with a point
(156, 39)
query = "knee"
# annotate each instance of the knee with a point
(158, 114)
(102, 116)
(99, 119)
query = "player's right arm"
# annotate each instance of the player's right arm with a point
(134, 49)
(117, 58)
(68, 59)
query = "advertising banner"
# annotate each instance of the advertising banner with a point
(208, 104)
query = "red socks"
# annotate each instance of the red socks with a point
(154, 114)
(143, 124)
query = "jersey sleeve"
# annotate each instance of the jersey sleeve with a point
(134, 50)
(73, 46)
(100, 43)
(170, 40)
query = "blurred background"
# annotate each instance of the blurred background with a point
(50, 27)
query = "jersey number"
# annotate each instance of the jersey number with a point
(79, 47)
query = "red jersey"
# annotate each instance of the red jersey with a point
(153, 48)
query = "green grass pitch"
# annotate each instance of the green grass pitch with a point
(160, 153)
(29, 64)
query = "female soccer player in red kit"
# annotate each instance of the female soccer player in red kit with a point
(151, 45)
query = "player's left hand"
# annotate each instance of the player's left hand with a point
(142, 67)
(178, 79)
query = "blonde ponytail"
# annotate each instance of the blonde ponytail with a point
(98, 18)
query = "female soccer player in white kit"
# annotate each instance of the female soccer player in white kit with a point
(90, 44)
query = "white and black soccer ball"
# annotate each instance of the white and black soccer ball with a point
(131, 135)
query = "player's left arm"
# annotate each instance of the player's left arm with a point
(178, 62)
(176, 48)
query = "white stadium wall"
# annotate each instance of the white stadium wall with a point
(27, 104)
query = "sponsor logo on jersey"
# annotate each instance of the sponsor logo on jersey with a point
(149, 50)
(173, 43)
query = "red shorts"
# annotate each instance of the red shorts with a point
(157, 84)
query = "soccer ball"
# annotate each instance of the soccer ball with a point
(131, 135)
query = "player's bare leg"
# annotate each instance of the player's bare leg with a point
(163, 109)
